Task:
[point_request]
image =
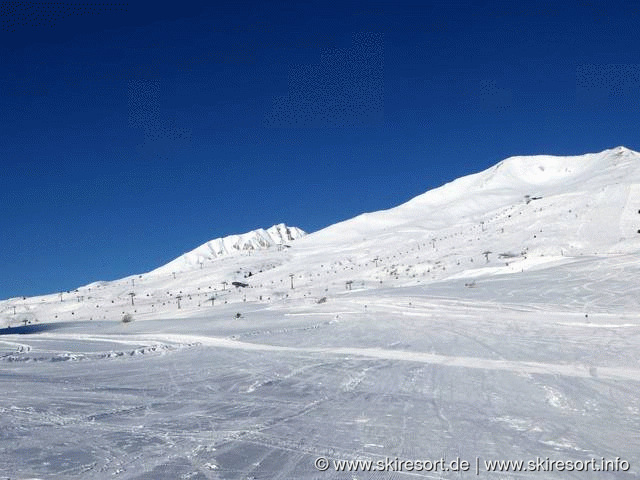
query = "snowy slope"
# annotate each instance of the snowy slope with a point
(482, 196)
(524, 208)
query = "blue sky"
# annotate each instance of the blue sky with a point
(131, 134)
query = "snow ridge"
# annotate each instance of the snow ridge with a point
(511, 181)
(259, 239)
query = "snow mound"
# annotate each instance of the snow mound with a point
(554, 171)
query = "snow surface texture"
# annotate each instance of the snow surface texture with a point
(494, 317)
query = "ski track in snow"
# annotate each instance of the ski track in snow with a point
(165, 341)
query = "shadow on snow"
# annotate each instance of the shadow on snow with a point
(28, 329)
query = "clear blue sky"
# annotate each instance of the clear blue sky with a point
(130, 134)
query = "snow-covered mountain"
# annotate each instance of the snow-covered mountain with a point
(259, 239)
(523, 213)
(578, 201)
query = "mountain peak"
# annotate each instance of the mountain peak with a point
(624, 149)
(259, 239)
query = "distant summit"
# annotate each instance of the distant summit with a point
(259, 239)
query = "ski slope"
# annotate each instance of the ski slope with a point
(493, 318)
